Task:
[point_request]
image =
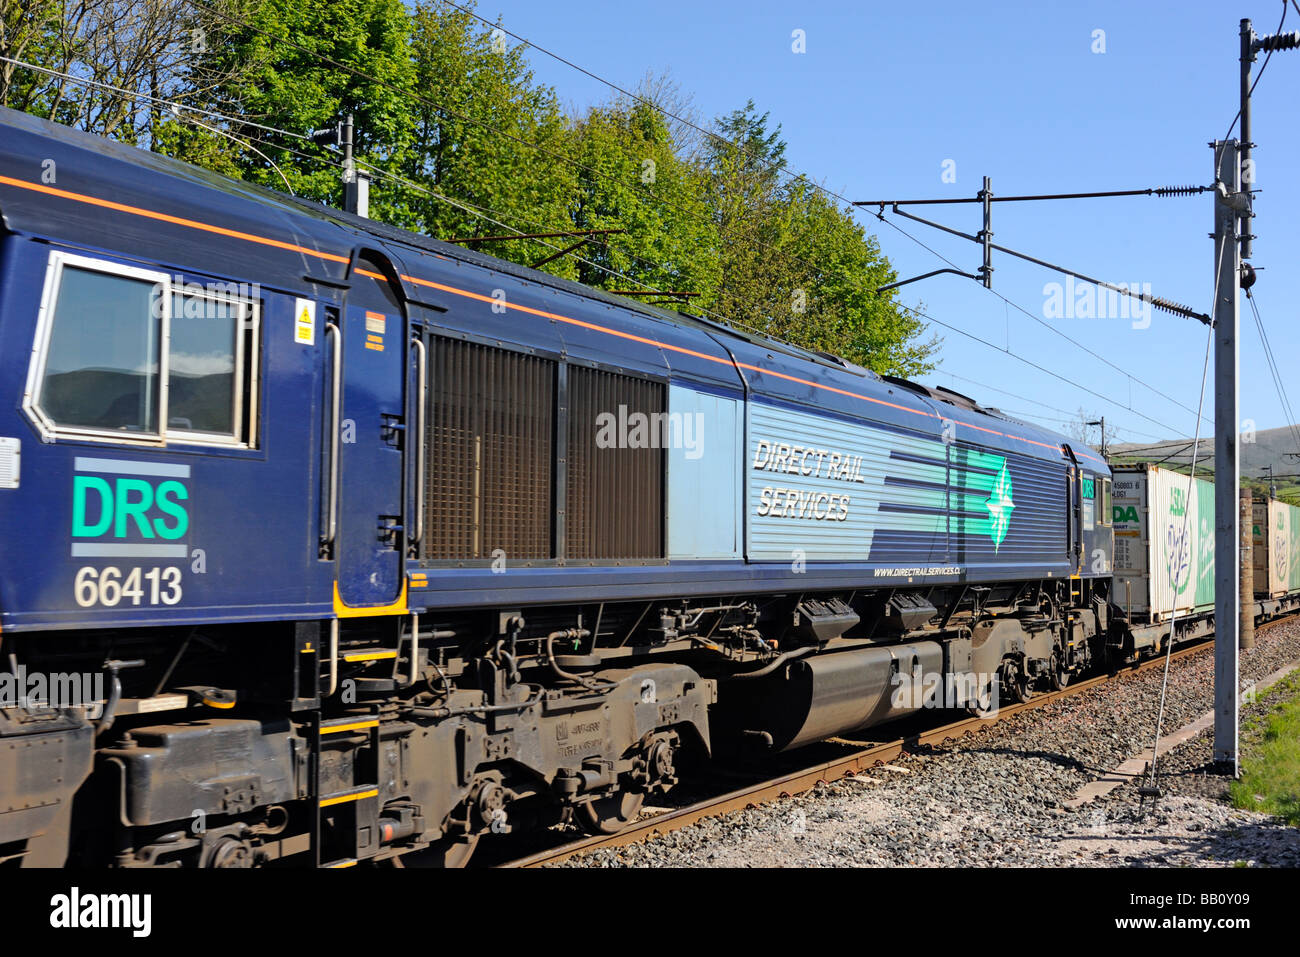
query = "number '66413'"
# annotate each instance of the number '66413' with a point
(111, 586)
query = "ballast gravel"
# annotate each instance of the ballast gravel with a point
(999, 797)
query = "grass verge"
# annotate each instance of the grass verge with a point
(1270, 748)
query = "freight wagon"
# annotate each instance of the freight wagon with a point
(1164, 555)
(1276, 569)
(1164, 544)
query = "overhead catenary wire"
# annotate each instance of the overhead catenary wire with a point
(1069, 417)
(1164, 449)
(232, 136)
(1161, 445)
(1130, 376)
(174, 108)
(145, 97)
(1274, 371)
(1014, 395)
(1193, 447)
(1035, 365)
(1060, 420)
(828, 192)
(782, 169)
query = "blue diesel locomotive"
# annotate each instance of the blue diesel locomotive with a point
(325, 542)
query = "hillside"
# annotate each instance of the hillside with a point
(1276, 448)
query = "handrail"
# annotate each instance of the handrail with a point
(336, 398)
(422, 362)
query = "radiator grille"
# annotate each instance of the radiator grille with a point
(614, 496)
(490, 453)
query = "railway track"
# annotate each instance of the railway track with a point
(805, 779)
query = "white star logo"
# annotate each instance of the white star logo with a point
(1000, 506)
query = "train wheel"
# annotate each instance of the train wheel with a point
(609, 815)
(984, 703)
(446, 852)
(1018, 685)
(1060, 675)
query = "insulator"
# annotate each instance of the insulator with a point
(1279, 41)
(1187, 312)
(1179, 190)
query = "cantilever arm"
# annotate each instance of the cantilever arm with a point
(895, 285)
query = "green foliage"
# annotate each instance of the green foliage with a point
(278, 85)
(465, 143)
(1270, 776)
(795, 265)
(475, 150)
(28, 31)
(630, 177)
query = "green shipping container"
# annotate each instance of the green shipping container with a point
(1164, 543)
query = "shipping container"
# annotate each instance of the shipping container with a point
(1164, 543)
(1276, 570)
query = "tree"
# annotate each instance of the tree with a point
(744, 162)
(630, 177)
(499, 141)
(117, 59)
(797, 266)
(1078, 430)
(464, 142)
(291, 86)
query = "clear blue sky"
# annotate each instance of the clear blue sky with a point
(886, 92)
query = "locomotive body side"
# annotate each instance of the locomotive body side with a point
(423, 536)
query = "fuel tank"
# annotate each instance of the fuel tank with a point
(811, 698)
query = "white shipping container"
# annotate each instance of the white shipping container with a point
(1164, 543)
(1275, 567)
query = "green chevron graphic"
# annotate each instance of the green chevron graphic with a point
(979, 495)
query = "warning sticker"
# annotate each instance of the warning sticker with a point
(375, 322)
(304, 321)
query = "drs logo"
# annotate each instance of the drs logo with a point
(123, 509)
(125, 506)
(127, 511)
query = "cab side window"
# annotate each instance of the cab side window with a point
(211, 368)
(126, 354)
(103, 356)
